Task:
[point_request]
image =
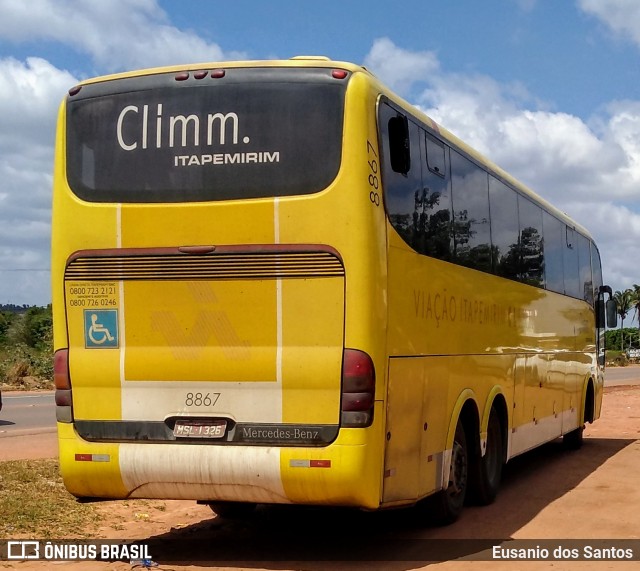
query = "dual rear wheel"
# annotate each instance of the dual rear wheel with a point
(473, 477)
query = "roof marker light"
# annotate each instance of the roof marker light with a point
(200, 74)
(339, 73)
(182, 76)
(217, 73)
(75, 90)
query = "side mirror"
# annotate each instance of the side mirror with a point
(612, 313)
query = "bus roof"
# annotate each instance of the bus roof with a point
(323, 61)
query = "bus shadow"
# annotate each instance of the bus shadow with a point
(279, 537)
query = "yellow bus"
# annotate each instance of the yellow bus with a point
(277, 282)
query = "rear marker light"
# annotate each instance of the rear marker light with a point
(75, 90)
(339, 73)
(62, 382)
(200, 74)
(61, 370)
(217, 73)
(182, 76)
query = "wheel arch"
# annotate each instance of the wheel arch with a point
(588, 408)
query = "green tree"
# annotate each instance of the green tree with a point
(624, 301)
(37, 327)
(635, 300)
(5, 323)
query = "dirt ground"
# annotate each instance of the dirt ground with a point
(548, 494)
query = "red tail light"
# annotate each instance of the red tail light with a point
(61, 369)
(358, 389)
(62, 381)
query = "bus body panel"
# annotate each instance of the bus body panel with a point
(452, 330)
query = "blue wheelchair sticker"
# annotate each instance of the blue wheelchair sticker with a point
(101, 328)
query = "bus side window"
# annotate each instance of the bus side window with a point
(503, 202)
(553, 231)
(471, 224)
(584, 264)
(571, 267)
(435, 155)
(530, 243)
(399, 147)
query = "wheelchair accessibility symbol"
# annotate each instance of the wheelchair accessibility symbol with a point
(101, 328)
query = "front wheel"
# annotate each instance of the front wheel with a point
(573, 440)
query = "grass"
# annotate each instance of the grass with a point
(35, 503)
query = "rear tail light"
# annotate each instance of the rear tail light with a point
(62, 381)
(358, 389)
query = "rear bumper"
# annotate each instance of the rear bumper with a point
(345, 473)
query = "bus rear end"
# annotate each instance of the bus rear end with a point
(202, 239)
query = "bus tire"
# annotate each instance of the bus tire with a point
(573, 440)
(486, 471)
(446, 505)
(233, 510)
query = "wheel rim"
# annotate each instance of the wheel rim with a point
(458, 470)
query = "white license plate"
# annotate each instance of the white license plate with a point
(196, 429)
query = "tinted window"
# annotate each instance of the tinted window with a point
(584, 263)
(436, 201)
(571, 268)
(470, 197)
(530, 242)
(255, 133)
(596, 270)
(435, 155)
(403, 191)
(417, 201)
(554, 245)
(504, 229)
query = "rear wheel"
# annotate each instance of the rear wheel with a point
(446, 505)
(233, 510)
(486, 470)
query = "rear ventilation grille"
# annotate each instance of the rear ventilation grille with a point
(215, 266)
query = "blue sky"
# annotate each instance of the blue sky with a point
(547, 89)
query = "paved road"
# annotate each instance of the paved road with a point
(622, 376)
(23, 414)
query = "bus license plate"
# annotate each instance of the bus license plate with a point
(192, 429)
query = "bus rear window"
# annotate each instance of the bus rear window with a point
(255, 133)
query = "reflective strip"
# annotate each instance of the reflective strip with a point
(93, 458)
(309, 463)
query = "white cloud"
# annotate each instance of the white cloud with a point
(30, 93)
(117, 34)
(622, 16)
(591, 170)
(399, 68)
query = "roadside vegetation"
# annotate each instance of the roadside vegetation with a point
(26, 347)
(35, 503)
